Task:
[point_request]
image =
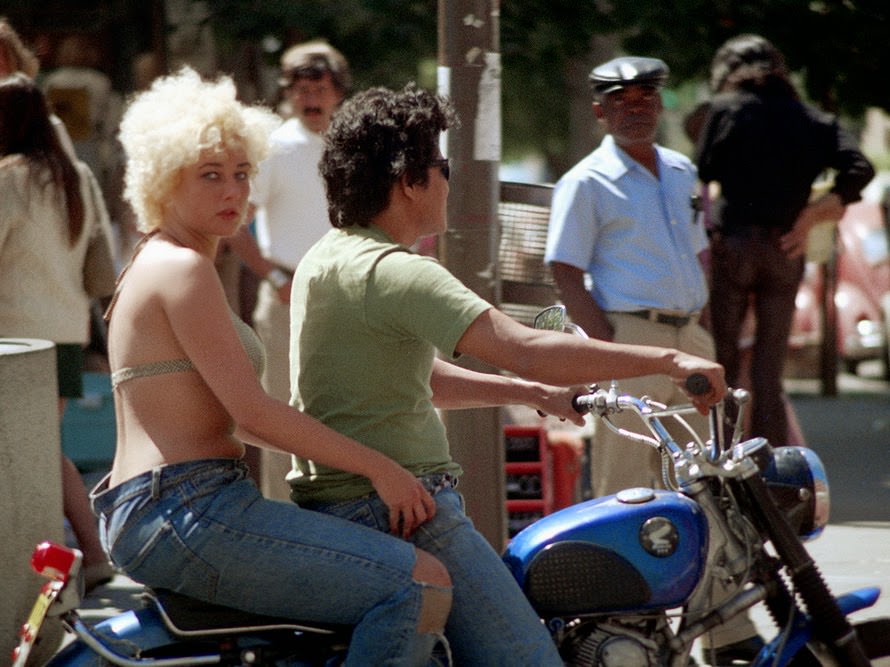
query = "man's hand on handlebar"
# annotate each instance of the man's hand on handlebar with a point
(557, 402)
(702, 380)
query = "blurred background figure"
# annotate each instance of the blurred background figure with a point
(50, 211)
(82, 96)
(624, 217)
(16, 57)
(764, 147)
(291, 213)
(146, 68)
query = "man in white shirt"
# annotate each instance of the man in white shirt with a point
(626, 216)
(291, 214)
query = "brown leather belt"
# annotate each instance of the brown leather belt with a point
(663, 318)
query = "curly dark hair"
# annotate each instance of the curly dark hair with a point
(375, 138)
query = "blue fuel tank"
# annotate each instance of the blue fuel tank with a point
(636, 551)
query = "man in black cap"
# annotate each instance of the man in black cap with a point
(624, 246)
(624, 216)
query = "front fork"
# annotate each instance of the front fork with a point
(830, 624)
(769, 587)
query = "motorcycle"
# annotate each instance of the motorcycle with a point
(629, 580)
(635, 578)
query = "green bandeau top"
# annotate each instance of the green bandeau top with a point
(249, 339)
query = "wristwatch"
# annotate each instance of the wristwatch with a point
(277, 278)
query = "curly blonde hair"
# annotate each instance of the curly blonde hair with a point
(169, 126)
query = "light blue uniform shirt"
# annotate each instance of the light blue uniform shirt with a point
(636, 235)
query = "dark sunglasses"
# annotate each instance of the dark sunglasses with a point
(443, 165)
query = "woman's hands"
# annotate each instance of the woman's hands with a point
(827, 207)
(409, 503)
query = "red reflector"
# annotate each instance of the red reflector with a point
(53, 561)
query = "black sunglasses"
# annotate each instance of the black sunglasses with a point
(443, 165)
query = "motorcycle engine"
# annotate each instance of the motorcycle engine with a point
(602, 647)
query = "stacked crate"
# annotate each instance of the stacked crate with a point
(529, 476)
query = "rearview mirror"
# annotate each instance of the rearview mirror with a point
(554, 318)
(551, 319)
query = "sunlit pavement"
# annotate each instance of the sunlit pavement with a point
(851, 434)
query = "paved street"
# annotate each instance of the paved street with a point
(851, 433)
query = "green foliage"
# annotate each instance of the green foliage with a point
(538, 39)
(384, 40)
(838, 45)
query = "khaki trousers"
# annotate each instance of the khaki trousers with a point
(618, 463)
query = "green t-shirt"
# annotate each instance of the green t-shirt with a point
(367, 316)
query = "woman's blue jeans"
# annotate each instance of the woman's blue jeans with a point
(491, 622)
(203, 529)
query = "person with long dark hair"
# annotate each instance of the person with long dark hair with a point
(49, 211)
(16, 57)
(765, 148)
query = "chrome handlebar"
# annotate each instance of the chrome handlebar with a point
(696, 459)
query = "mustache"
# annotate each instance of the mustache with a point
(312, 110)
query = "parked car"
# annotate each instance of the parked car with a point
(861, 295)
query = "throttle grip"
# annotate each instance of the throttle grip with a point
(698, 384)
(582, 403)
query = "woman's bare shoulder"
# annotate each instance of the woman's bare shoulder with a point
(170, 265)
(166, 275)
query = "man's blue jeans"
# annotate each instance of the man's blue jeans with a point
(491, 621)
(203, 529)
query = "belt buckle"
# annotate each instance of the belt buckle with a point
(436, 482)
(676, 320)
(670, 319)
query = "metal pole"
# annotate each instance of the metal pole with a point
(470, 74)
(829, 349)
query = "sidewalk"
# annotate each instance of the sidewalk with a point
(851, 434)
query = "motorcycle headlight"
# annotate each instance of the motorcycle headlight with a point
(797, 480)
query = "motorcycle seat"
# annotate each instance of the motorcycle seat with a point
(188, 617)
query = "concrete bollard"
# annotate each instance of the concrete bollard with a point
(30, 479)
